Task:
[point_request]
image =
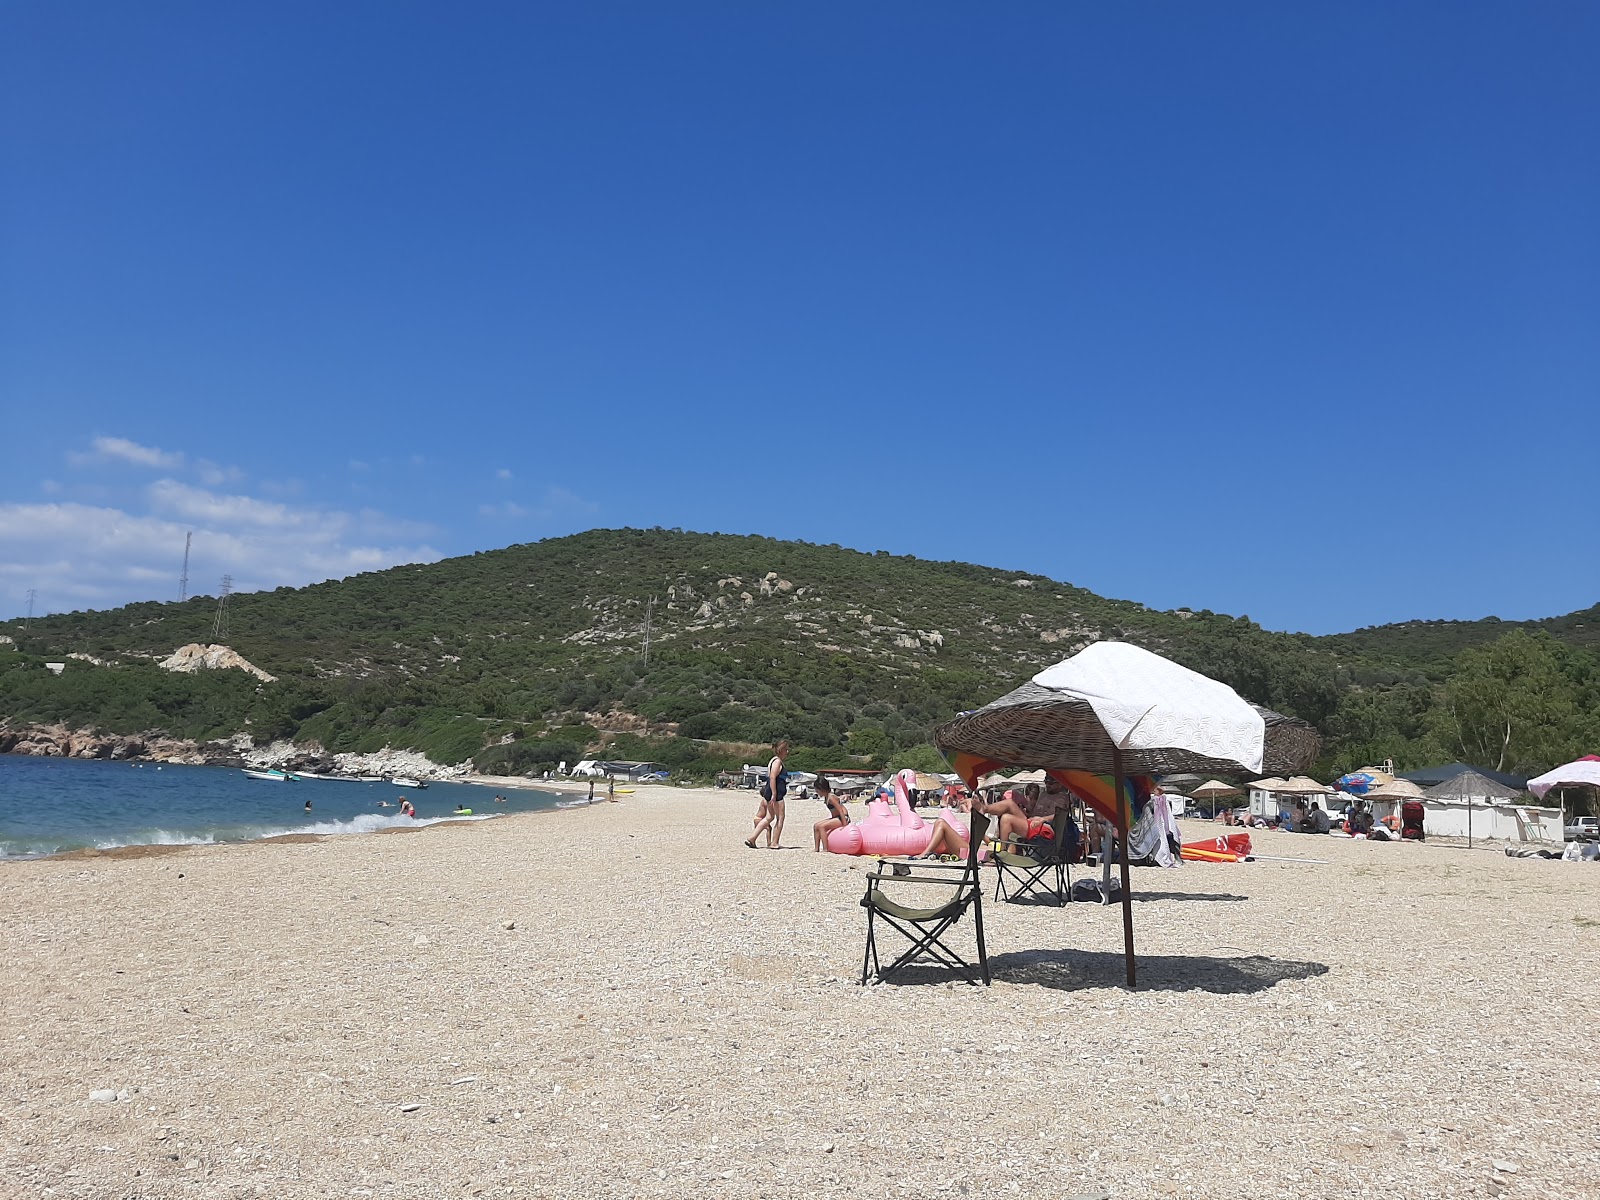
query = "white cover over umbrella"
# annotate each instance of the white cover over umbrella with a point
(1146, 702)
(1583, 773)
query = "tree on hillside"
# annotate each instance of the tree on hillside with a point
(1514, 704)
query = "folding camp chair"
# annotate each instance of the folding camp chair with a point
(1030, 869)
(959, 889)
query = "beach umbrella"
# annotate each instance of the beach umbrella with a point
(1396, 789)
(1024, 778)
(1359, 783)
(1114, 709)
(1583, 772)
(1300, 785)
(1212, 790)
(1271, 784)
(1466, 787)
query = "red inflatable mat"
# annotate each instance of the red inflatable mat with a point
(1225, 847)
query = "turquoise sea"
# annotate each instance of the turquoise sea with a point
(49, 805)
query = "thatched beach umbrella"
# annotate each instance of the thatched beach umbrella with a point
(1396, 789)
(1115, 709)
(1301, 785)
(1466, 787)
(1213, 790)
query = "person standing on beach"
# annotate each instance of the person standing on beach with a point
(770, 816)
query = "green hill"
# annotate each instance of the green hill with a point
(536, 652)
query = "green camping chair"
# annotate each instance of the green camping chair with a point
(926, 926)
(1023, 871)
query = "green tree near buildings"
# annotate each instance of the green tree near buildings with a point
(1516, 704)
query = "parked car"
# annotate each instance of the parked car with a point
(1584, 829)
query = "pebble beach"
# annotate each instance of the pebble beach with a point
(620, 1000)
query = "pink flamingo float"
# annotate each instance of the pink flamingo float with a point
(893, 830)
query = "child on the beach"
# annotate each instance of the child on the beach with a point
(837, 817)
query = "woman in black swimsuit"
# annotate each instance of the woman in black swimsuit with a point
(837, 818)
(772, 791)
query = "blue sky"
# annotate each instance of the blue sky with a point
(1284, 310)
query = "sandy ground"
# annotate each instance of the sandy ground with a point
(673, 1015)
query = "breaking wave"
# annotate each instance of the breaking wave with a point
(12, 848)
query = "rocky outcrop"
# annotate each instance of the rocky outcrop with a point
(195, 657)
(409, 764)
(59, 741)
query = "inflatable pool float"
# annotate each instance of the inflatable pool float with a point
(1228, 847)
(893, 830)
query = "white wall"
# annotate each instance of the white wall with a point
(1448, 818)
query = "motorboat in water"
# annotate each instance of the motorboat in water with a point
(271, 776)
(402, 781)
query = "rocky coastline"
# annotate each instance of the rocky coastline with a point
(62, 741)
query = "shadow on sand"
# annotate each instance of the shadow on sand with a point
(1077, 970)
(1047, 899)
(1139, 896)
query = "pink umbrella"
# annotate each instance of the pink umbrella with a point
(1585, 772)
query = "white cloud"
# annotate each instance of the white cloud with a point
(214, 474)
(196, 504)
(560, 502)
(503, 473)
(509, 509)
(555, 502)
(83, 555)
(105, 449)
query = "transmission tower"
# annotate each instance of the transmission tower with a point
(219, 627)
(28, 624)
(183, 582)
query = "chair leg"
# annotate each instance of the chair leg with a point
(977, 921)
(871, 952)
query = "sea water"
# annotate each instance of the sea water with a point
(50, 805)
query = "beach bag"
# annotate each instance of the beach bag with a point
(766, 790)
(1088, 891)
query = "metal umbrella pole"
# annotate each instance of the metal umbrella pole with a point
(1120, 782)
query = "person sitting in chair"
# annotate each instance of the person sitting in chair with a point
(1013, 825)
